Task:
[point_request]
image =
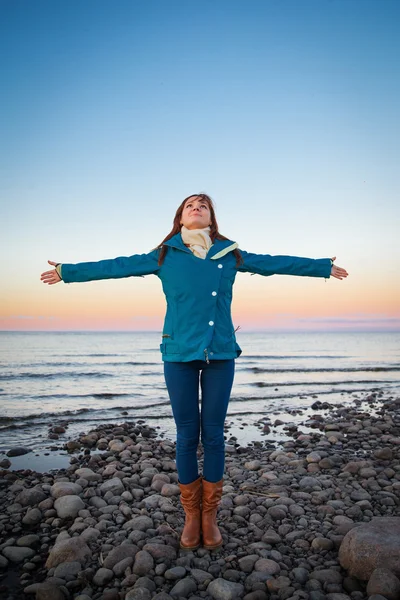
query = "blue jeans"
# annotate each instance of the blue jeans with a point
(216, 379)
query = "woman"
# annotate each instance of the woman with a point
(197, 267)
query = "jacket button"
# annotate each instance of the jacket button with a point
(219, 266)
(213, 293)
(211, 323)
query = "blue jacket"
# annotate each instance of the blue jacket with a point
(198, 323)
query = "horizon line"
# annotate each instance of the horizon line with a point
(160, 331)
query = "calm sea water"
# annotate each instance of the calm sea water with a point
(87, 379)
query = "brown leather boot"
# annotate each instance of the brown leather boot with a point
(191, 502)
(212, 493)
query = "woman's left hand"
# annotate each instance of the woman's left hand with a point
(338, 272)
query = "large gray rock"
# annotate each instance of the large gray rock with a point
(69, 550)
(385, 583)
(220, 589)
(45, 591)
(88, 474)
(32, 517)
(138, 594)
(144, 562)
(102, 576)
(113, 485)
(160, 551)
(183, 588)
(65, 488)
(142, 523)
(371, 546)
(18, 451)
(119, 553)
(90, 534)
(67, 507)
(68, 569)
(29, 540)
(30, 497)
(17, 554)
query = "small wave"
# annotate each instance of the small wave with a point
(6, 419)
(135, 364)
(98, 354)
(54, 375)
(68, 397)
(288, 356)
(346, 382)
(323, 370)
(296, 395)
(46, 417)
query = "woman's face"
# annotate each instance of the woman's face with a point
(196, 213)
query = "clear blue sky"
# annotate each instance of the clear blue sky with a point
(284, 111)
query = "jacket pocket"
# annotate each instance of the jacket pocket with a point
(168, 347)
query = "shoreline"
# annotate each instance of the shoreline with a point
(48, 450)
(285, 511)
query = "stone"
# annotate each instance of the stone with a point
(90, 534)
(118, 554)
(326, 576)
(144, 562)
(67, 507)
(142, 523)
(30, 497)
(176, 573)
(28, 540)
(68, 569)
(68, 550)
(71, 445)
(183, 588)
(308, 483)
(275, 585)
(5, 463)
(113, 485)
(383, 453)
(88, 474)
(370, 546)
(116, 446)
(252, 465)
(102, 576)
(267, 565)
(246, 563)
(170, 489)
(49, 591)
(121, 566)
(138, 594)
(220, 589)
(320, 544)
(65, 488)
(17, 554)
(18, 451)
(32, 517)
(313, 457)
(385, 583)
(271, 537)
(200, 576)
(300, 575)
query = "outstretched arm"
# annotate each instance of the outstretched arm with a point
(265, 264)
(115, 268)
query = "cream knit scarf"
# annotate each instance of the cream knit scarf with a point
(198, 240)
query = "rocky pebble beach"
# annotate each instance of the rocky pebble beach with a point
(315, 517)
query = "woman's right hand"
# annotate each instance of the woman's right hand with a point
(51, 277)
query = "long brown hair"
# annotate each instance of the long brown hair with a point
(176, 228)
